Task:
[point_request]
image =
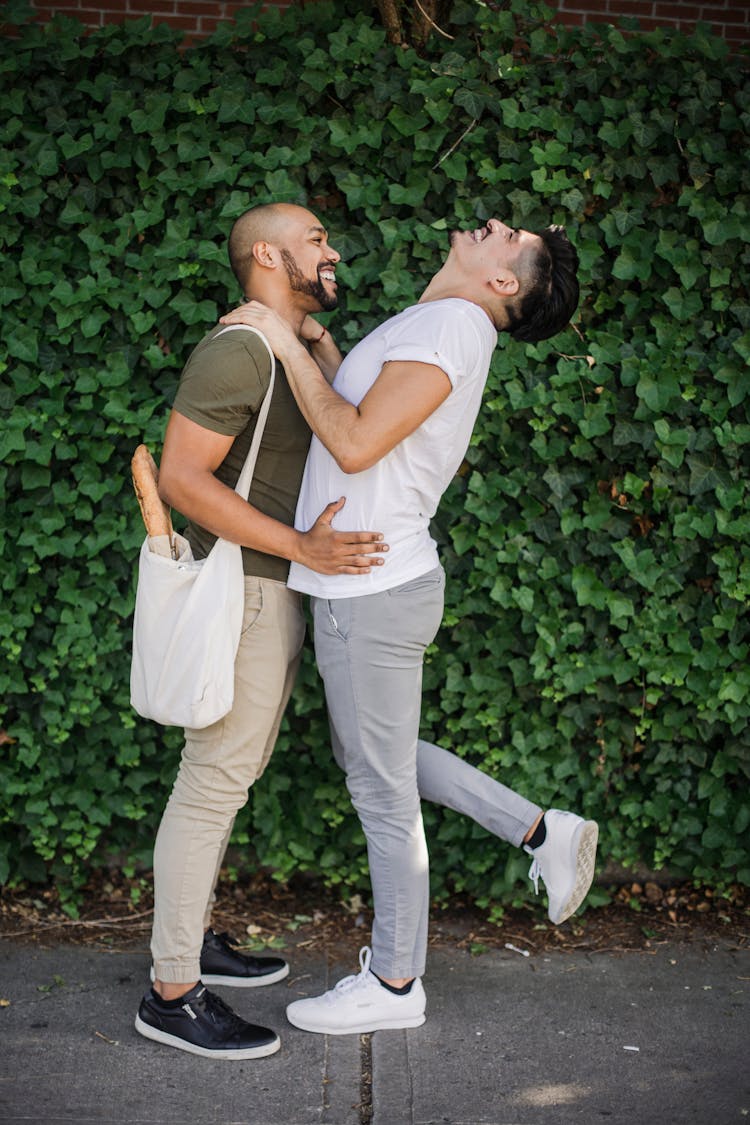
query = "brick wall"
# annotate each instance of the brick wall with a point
(196, 18)
(728, 18)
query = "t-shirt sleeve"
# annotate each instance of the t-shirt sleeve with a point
(448, 339)
(224, 382)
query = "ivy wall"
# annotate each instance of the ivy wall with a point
(594, 652)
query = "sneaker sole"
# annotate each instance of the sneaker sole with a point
(238, 982)
(584, 843)
(360, 1029)
(246, 982)
(149, 1032)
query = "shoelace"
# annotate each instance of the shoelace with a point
(226, 940)
(228, 944)
(535, 874)
(219, 1012)
(356, 980)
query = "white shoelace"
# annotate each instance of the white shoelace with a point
(356, 980)
(535, 873)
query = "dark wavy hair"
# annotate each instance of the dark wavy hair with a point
(550, 291)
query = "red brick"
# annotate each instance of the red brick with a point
(206, 25)
(646, 23)
(676, 11)
(200, 7)
(115, 17)
(72, 13)
(725, 17)
(152, 7)
(179, 22)
(105, 18)
(629, 8)
(721, 6)
(199, 10)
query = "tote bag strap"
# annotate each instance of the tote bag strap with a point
(243, 484)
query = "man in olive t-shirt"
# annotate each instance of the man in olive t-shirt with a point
(222, 389)
(280, 256)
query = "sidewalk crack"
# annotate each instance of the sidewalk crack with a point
(365, 1080)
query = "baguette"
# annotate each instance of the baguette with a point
(156, 514)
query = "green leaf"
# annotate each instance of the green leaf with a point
(471, 101)
(22, 343)
(407, 124)
(595, 540)
(658, 391)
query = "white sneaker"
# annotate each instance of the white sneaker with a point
(359, 1004)
(565, 862)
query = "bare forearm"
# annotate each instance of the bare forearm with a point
(327, 356)
(402, 396)
(202, 498)
(334, 421)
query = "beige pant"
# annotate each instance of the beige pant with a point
(218, 766)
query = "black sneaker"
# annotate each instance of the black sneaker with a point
(204, 1025)
(221, 964)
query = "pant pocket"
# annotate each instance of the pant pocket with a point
(433, 580)
(339, 613)
(253, 608)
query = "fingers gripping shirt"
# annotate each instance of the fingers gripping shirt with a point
(399, 495)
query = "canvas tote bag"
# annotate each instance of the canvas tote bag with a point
(188, 616)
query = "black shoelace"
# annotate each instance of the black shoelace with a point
(227, 941)
(220, 1013)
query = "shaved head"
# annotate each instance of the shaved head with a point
(265, 223)
(280, 255)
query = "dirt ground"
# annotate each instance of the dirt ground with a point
(260, 914)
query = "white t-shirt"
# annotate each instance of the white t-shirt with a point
(399, 495)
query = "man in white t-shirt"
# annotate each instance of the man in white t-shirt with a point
(392, 431)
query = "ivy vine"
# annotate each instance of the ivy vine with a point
(594, 652)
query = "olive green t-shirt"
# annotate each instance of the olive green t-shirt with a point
(222, 388)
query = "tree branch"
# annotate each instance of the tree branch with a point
(391, 21)
(430, 20)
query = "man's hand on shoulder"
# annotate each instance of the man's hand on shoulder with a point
(339, 552)
(275, 328)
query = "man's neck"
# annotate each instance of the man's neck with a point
(285, 306)
(441, 288)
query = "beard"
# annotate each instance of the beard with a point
(301, 284)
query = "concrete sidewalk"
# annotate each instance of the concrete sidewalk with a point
(551, 1039)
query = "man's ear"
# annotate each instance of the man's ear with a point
(505, 286)
(265, 254)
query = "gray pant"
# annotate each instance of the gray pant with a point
(370, 650)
